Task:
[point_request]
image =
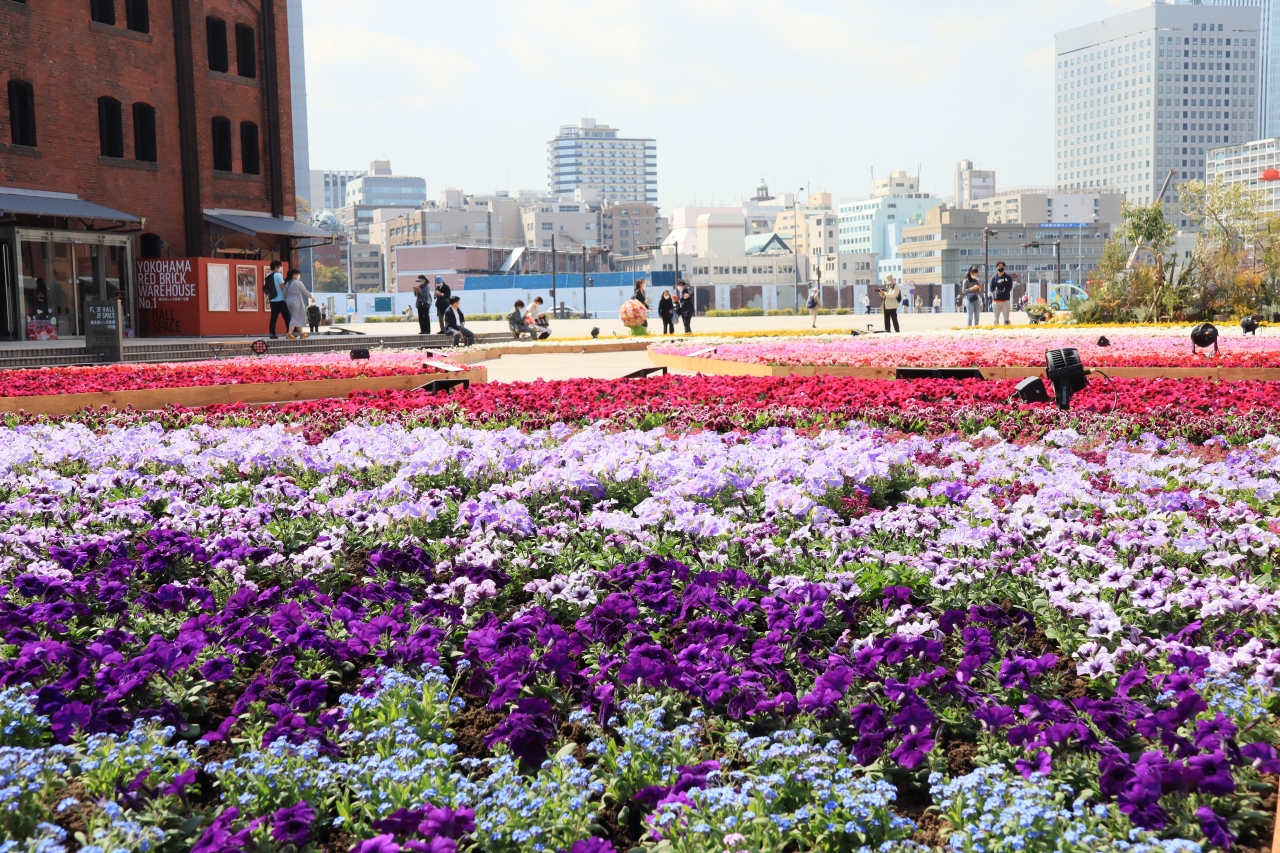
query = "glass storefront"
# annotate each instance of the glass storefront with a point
(54, 272)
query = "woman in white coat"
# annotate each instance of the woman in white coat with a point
(296, 297)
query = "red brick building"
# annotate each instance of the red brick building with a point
(136, 129)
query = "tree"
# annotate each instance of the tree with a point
(329, 279)
(304, 209)
(1228, 214)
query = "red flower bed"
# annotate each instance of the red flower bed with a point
(1193, 408)
(43, 381)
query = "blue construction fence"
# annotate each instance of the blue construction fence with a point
(604, 294)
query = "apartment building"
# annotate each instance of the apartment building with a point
(1036, 204)
(1247, 164)
(593, 157)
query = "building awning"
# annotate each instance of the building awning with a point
(260, 224)
(34, 203)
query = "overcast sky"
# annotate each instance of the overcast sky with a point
(817, 93)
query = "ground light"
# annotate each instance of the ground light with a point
(1204, 336)
(1032, 390)
(1066, 372)
(595, 332)
(1249, 325)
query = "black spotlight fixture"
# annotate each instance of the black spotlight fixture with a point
(1204, 336)
(1249, 325)
(1032, 390)
(1103, 342)
(259, 347)
(1066, 372)
(854, 332)
(357, 354)
(595, 332)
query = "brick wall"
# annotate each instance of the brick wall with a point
(71, 62)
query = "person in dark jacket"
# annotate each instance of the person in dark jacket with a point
(423, 304)
(444, 296)
(1001, 293)
(639, 296)
(685, 304)
(455, 323)
(313, 317)
(667, 311)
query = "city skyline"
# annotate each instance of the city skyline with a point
(804, 93)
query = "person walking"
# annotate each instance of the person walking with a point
(274, 289)
(639, 296)
(812, 305)
(686, 304)
(313, 317)
(296, 297)
(667, 311)
(1001, 294)
(891, 293)
(456, 323)
(444, 298)
(937, 304)
(972, 291)
(866, 304)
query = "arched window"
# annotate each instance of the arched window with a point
(216, 33)
(246, 51)
(137, 16)
(222, 159)
(110, 127)
(103, 11)
(144, 132)
(249, 151)
(149, 245)
(22, 113)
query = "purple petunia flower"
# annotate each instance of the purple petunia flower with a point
(377, 844)
(292, 825)
(592, 845)
(1039, 762)
(913, 749)
(218, 669)
(1215, 828)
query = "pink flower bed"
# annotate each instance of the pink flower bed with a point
(996, 349)
(231, 371)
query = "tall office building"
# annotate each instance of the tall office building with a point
(1268, 61)
(329, 188)
(298, 95)
(1149, 91)
(607, 167)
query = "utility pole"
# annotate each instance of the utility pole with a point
(795, 248)
(553, 274)
(584, 281)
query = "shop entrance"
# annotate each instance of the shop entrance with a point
(48, 275)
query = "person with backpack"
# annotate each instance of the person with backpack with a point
(812, 305)
(422, 302)
(273, 292)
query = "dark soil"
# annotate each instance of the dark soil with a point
(470, 729)
(623, 835)
(76, 819)
(960, 755)
(338, 842)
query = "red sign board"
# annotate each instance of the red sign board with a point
(168, 297)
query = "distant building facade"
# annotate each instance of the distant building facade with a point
(591, 156)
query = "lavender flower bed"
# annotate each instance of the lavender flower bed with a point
(439, 640)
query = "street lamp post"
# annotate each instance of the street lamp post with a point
(795, 249)
(987, 234)
(1057, 260)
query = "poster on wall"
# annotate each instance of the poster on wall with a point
(246, 288)
(167, 297)
(219, 279)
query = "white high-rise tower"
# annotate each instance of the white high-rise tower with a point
(1151, 90)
